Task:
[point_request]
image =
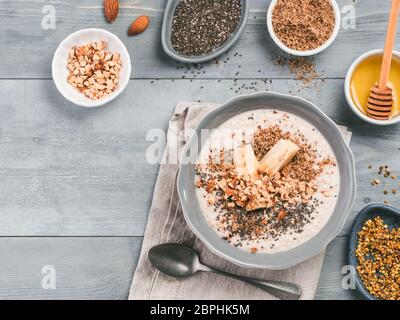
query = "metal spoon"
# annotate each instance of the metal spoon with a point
(179, 261)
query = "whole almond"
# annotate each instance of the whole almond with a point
(139, 25)
(111, 8)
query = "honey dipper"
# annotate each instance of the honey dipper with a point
(380, 101)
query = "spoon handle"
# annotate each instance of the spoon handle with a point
(389, 46)
(281, 290)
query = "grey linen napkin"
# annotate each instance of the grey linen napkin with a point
(166, 224)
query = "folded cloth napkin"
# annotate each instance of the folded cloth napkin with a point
(166, 224)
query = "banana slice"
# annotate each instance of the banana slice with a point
(278, 157)
(245, 161)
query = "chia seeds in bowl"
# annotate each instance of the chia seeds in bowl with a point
(201, 26)
(196, 31)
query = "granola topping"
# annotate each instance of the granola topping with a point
(93, 71)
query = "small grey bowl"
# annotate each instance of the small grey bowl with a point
(166, 35)
(283, 260)
(390, 216)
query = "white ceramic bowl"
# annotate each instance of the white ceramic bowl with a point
(349, 98)
(283, 47)
(60, 71)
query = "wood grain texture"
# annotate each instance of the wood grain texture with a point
(77, 172)
(68, 171)
(330, 282)
(257, 52)
(85, 268)
(102, 268)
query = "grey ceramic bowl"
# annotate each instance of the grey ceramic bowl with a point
(306, 110)
(166, 35)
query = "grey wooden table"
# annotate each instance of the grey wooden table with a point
(75, 188)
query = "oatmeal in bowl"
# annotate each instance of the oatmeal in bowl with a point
(273, 182)
(273, 187)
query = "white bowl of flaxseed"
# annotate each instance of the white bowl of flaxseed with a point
(303, 28)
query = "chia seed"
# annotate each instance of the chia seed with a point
(243, 226)
(201, 26)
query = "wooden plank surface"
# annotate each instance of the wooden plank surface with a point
(256, 51)
(102, 268)
(85, 268)
(330, 282)
(69, 171)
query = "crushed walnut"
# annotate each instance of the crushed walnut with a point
(94, 71)
(268, 206)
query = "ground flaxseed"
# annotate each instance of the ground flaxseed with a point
(200, 26)
(302, 68)
(303, 24)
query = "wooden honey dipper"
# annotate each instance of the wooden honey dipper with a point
(380, 101)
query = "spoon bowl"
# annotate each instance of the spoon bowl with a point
(174, 260)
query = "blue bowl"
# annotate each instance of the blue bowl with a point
(390, 216)
(166, 35)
